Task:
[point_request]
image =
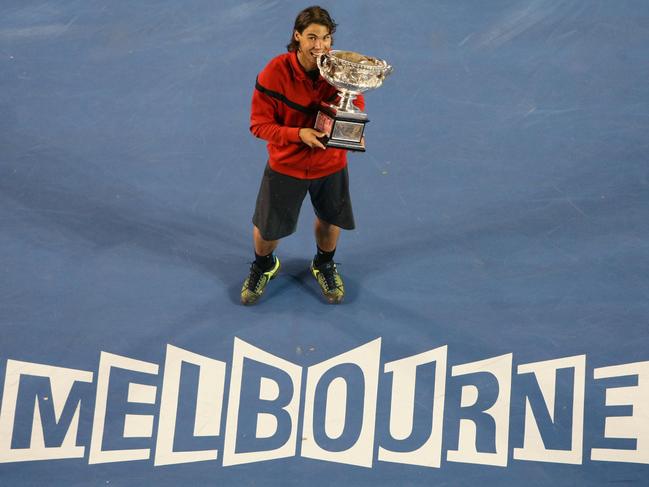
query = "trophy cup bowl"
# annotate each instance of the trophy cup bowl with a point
(351, 73)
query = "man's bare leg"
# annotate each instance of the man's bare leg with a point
(326, 235)
(263, 247)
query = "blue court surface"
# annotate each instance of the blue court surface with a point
(495, 329)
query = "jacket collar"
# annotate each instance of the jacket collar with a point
(298, 70)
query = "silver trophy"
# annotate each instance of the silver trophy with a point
(352, 73)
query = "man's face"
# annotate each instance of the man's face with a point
(314, 41)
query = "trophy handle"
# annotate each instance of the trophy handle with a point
(323, 62)
(385, 73)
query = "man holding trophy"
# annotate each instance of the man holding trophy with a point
(291, 97)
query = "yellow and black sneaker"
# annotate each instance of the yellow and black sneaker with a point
(255, 283)
(330, 281)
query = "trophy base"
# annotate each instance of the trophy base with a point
(344, 130)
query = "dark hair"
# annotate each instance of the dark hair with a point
(308, 16)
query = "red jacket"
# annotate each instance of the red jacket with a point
(284, 101)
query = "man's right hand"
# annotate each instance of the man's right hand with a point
(310, 137)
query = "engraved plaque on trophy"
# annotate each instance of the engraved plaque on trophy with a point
(352, 73)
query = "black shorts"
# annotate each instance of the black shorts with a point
(280, 199)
